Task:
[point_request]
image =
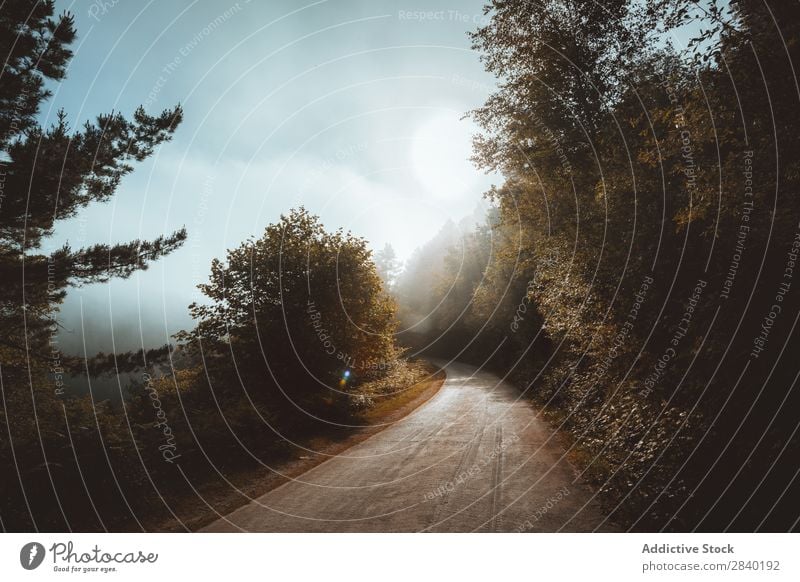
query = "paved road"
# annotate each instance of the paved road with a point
(473, 458)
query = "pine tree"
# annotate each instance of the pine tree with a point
(47, 175)
(388, 266)
(50, 174)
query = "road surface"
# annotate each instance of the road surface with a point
(473, 458)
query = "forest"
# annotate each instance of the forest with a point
(633, 277)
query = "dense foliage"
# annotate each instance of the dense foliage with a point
(295, 318)
(647, 223)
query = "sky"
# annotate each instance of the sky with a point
(352, 109)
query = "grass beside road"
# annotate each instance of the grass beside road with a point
(390, 403)
(395, 404)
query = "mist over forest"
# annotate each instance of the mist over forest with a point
(605, 243)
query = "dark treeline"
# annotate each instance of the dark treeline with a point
(638, 277)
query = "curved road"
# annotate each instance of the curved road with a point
(473, 458)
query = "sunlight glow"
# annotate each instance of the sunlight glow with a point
(440, 155)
